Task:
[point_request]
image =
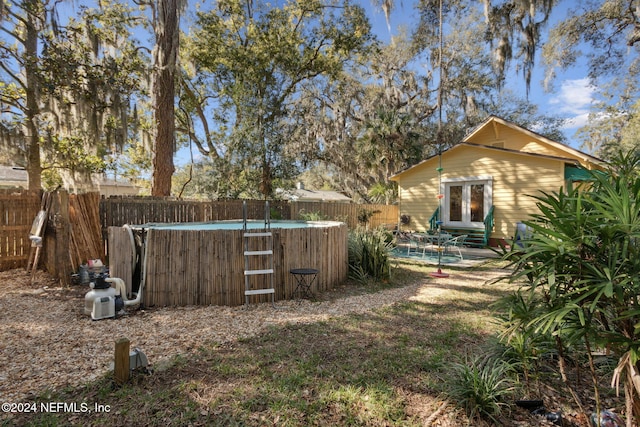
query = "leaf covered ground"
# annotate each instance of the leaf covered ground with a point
(376, 355)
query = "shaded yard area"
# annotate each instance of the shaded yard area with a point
(375, 355)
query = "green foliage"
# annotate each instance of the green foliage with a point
(522, 345)
(311, 216)
(613, 71)
(619, 132)
(581, 265)
(364, 215)
(68, 87)
(384, 192)
(249, 64)
(368, 256)
(482, 386)
(70, 153)
(391, 137)
(51, 179)
(275, 213)
(592, 24)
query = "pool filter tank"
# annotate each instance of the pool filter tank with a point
(104, 301)
(100, 301)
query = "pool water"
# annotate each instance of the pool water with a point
(233, 225)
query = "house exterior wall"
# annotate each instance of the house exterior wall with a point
(514, 178)
(512, 163)
(417, 192)
(513, 139)
(8, 184)
(108, 190)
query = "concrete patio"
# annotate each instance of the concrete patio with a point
(470, 256)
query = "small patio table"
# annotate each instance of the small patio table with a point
(435, 241)
(304, 280)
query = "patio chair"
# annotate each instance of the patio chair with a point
(456, 243)
(413, 244)
(406, 239)
(433, 243)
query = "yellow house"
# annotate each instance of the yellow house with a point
(486, 181)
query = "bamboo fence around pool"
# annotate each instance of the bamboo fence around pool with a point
(206, 267)
(117, 211)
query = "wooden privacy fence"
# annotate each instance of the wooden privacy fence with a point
(18, 209)
(117, 211)
(77, 224)
(72, 234)
(349, 213)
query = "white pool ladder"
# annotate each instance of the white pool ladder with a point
(265, 238)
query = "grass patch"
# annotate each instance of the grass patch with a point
(365, 369)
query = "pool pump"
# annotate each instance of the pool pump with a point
(104, 301)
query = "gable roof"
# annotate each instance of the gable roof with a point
(573, 156)
(495, 121)
(303, 195)
(484, 147)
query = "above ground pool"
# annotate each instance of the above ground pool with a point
(184, 264)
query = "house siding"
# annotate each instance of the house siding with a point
(512, 139)
(515, 177)
(521, 165)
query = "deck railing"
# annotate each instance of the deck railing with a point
(488, 226)
(476, 236)
(433, 221)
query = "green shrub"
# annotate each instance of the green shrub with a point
(312, 216)
(521, 344)
(583, 263)
(482, 386)
(368, 256)
(275, 214)
(364, 215)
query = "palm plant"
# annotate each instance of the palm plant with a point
(583, 260)
(482, 387)
(368, 255)
(522, 345)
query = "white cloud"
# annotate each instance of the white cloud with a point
(577, 121)
(573, 101)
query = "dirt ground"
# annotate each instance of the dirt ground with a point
(49, 343)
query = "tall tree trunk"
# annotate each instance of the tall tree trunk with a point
(34, 167)
(165, 58)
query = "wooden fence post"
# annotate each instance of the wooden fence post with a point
(121, 365)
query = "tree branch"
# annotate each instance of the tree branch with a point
(12, 34)
(22, 84)
(203, 119)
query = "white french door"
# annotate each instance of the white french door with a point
(466, 201)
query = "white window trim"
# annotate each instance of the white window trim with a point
(487, 180)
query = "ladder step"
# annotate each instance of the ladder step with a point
(269, 252)
(256, 272)
(260, 291)
(260, 234)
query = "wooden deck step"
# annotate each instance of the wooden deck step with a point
(475, 236)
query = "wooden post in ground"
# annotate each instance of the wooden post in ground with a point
(121, 365)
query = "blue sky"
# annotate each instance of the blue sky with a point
(570, 97)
